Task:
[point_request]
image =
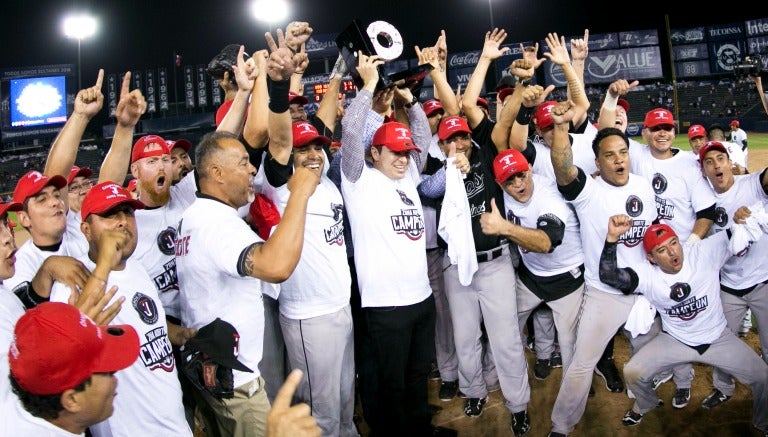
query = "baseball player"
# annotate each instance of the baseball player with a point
(738, 136)
(180, 160)
(682, 282)
(546, 231)
(315, 314)
(716, 132)
(108, 214)
(386, 219)
(744, 277)
(697, 137)
(605, 308)
(220, 272)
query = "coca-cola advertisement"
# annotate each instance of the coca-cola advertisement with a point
(464, 59)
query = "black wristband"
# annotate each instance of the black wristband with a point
(278, 96)
(524, 115)
(28, 296)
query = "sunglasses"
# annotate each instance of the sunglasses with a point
(665, 127)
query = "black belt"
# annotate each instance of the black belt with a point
(489, 255)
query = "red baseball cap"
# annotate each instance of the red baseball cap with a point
(56, 347)
(508, 163)
(735, 123)
(655, 235)
(132, 185)
(484, 103)
(696, 131)
(184, 144)
(33, 182)
(452, 125)
(709, 146)
(295, 98)
(9, 206)
(304, 133)
(624, 104)
(505, 92)
(106, 196)
(659, 117)
(543, 115)
(78, 171)
(431, 106)
(394, 136)
(147, 146)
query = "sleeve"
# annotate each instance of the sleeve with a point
(553, 227)
(422, 134)
(433, 186)
(624, 279)
(353, 126)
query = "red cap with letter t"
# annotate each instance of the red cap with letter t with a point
(33, 182)
(432, 105)
(711, 145)
(696, 131)
(507, 163)
(78, 171)
(56, 347)
(149, 145)
(655, 235)
(543, 115)
(452, 125)
(659, 117)
(394, 136)
(106, 196)
(304, 133)
(735, 123)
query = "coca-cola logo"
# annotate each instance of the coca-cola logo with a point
(464, 59)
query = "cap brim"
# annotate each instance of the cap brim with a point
(184, 144)
(299, 100)
(121, 348)
(10, 206)
(84, 172)
(135, 203)
(57, 181)
(322, 139)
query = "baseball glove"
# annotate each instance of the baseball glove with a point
(224, 61)
(207, 375)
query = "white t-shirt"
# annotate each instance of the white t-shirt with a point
(29, 258)
(148, 389)
(74, 233)
(678, 184)
(321, 282)
(735, 153)
(18, 422)
(209, 244)
(597, 202)
(738, 136)
(157, 235)
(750, 267)
(387, 224)
(546, 200)
(583, 155)
(689, 300)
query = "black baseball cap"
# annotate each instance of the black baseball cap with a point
(220, 341)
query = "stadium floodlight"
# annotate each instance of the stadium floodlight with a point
(270, 11)
(79, 26)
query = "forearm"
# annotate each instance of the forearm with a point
(233, 121)
(534, 240)
(577, 94)
(469, 100)
(444, 93)
(701, 227)
(422, 135)
(118, 157)
(562, 156)
(256, 129)
(624, 279)
(327, 109)
(502, 130)
(64, 148)
(295, 86)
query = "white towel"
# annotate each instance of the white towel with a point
(640, 317)
(456, 224)
(744, 234)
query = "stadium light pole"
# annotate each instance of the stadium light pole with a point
(270, 11)
(79, 26)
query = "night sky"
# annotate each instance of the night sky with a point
(140, 34)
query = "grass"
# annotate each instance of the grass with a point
(755, 141)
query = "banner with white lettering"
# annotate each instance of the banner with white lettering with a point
(610, 65)
(724, 32)
(690, 52)
(460, 76)
(215, 93)
(692, 68)
(757, 27)
(202, 87)
(322, 46)
(150, 91)
(758, 45)
(689, 35)
(600, 41)
(189, 87)
(638, 38)
(112, 91)
(162, 87)
(463, 59)
(724, 55)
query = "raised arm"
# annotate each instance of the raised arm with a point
(616, 89)
(439, 75)
(280, 66)
(579, 52)
(534, 240)
(245, 73)
(532, 96)
(491, 52)
(624, 279)
(354, 121)
(558, 54)
(63, 152)
(328, 111)
(256, 129)
(561, 153)
(129, 110)
(502, 131)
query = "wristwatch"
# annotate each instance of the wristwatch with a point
(413, 101)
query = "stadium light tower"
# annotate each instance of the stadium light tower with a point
(270, 11)
(79, 26)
